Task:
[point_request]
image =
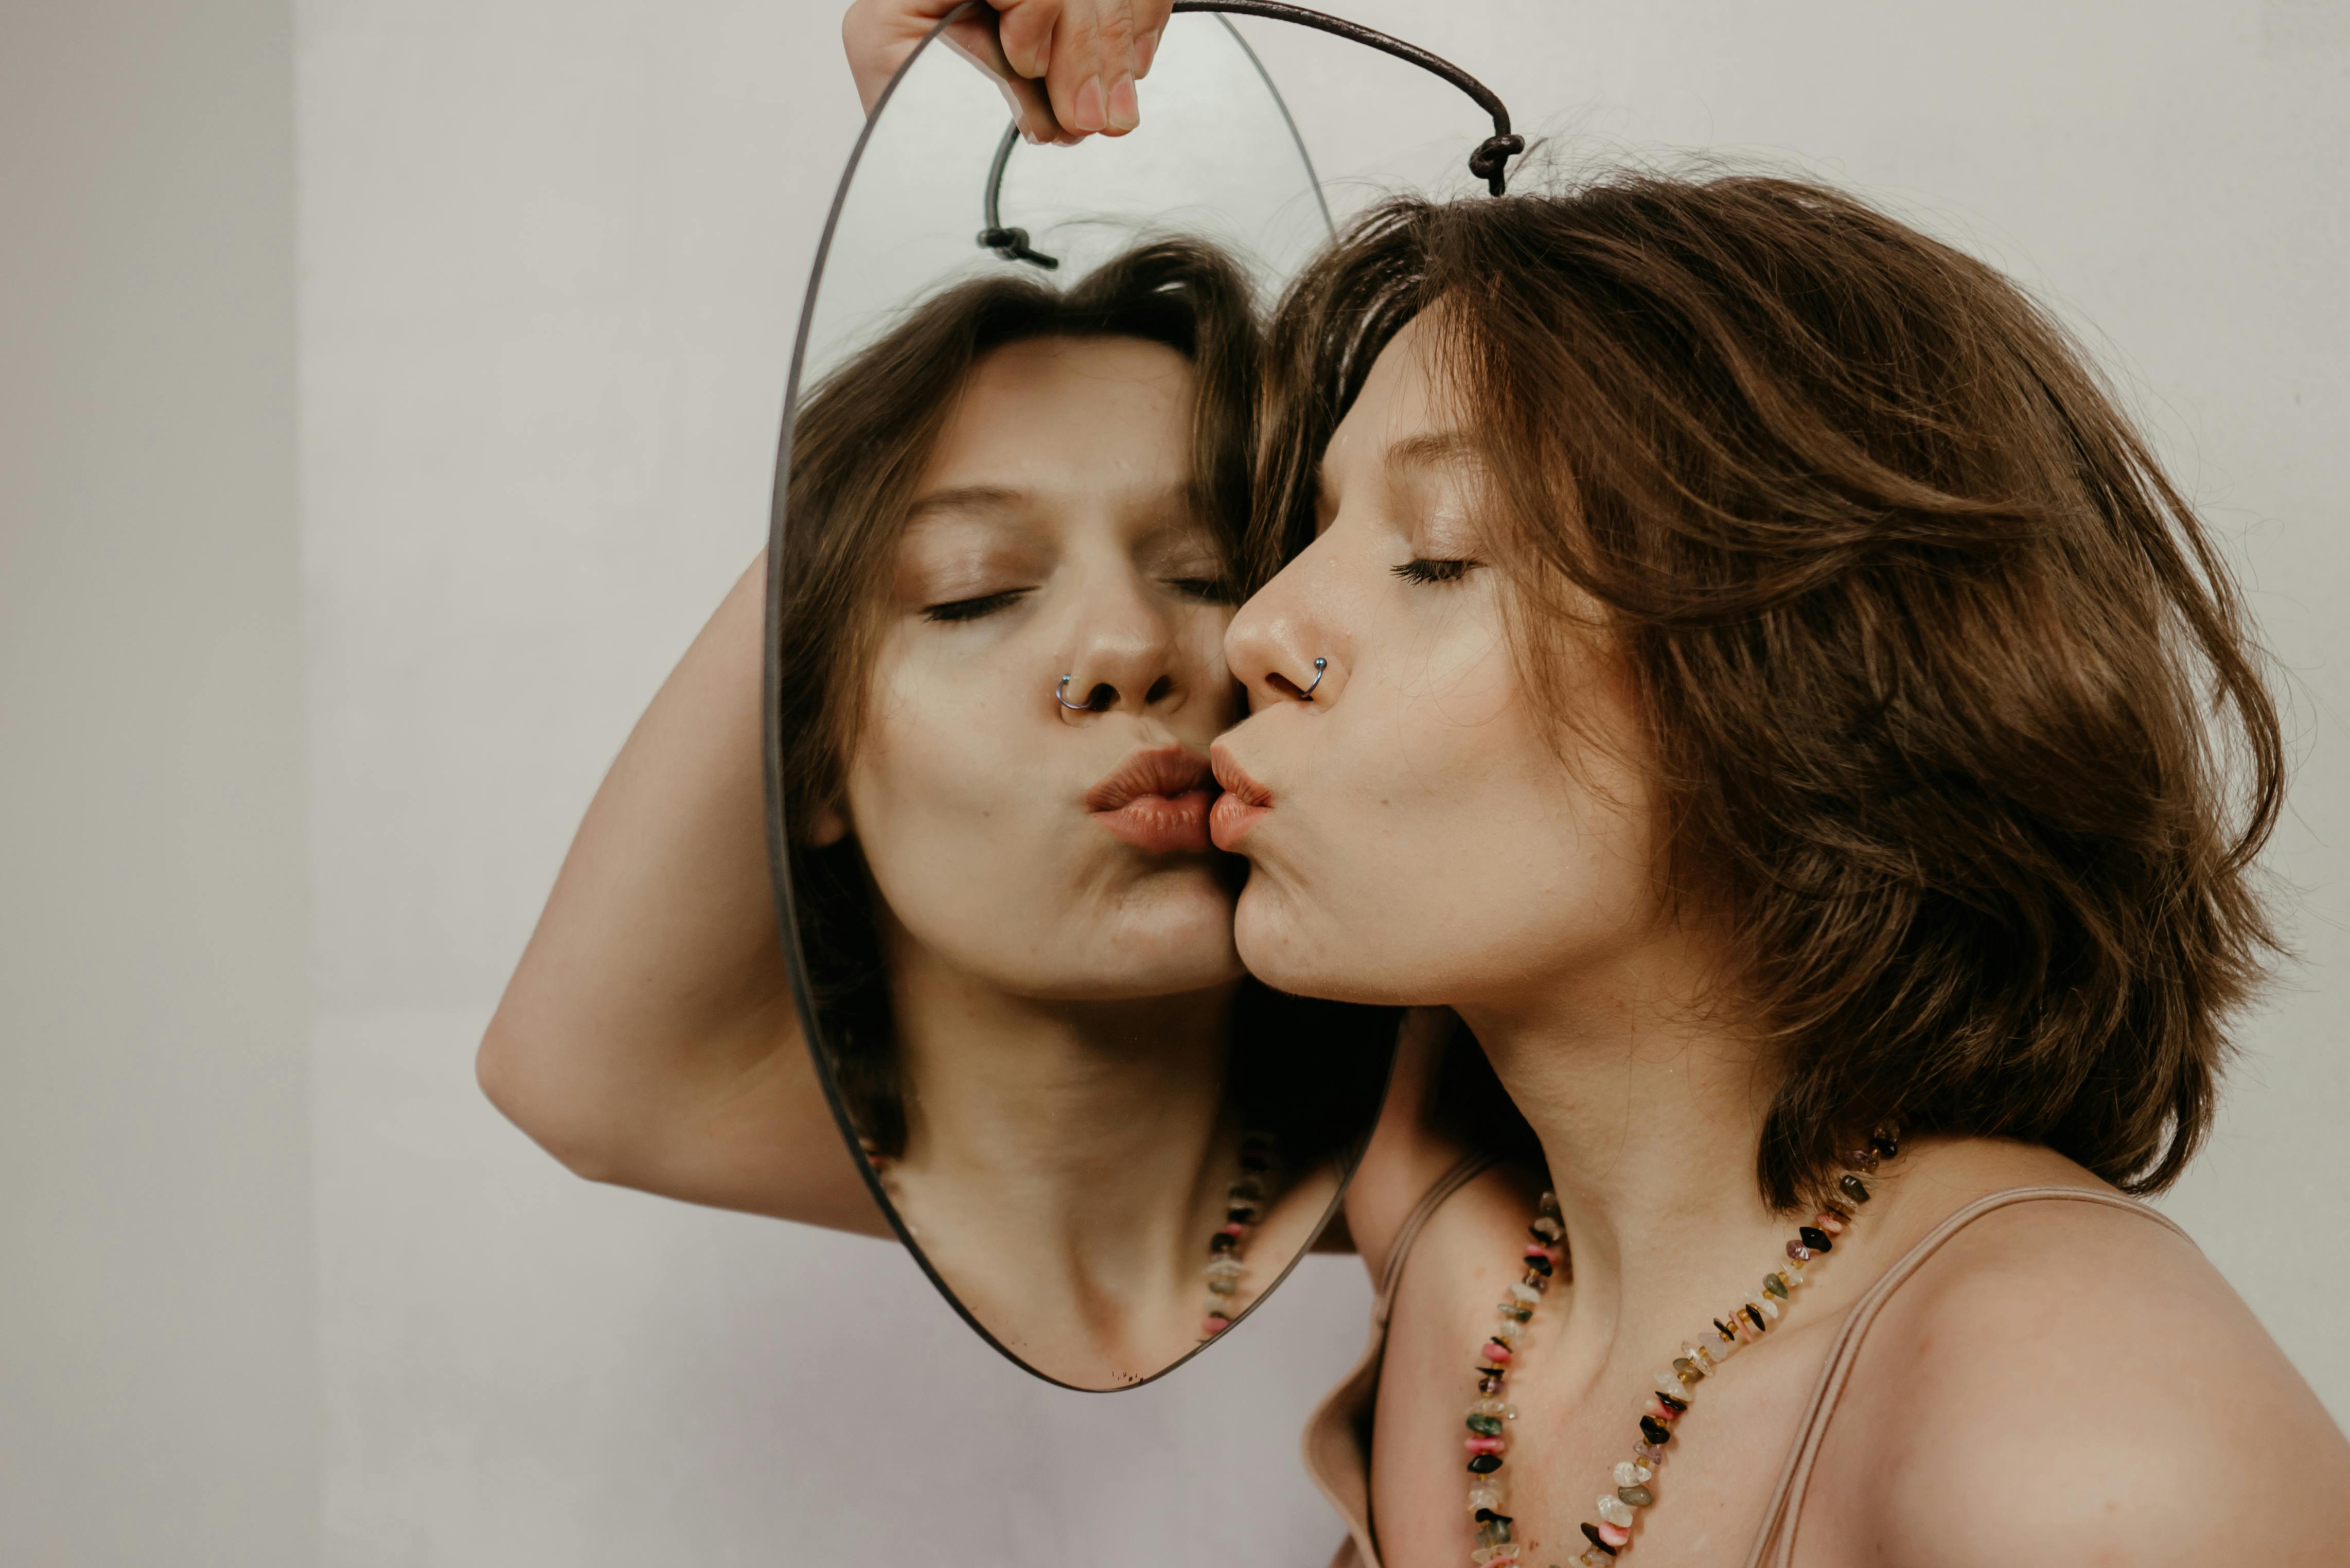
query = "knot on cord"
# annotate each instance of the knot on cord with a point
(1012, 244)
(1492, 155)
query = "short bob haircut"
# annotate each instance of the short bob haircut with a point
(1955, 722)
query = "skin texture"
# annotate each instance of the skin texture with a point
(2063, 1384)
(1054, 524)
(1059, 992)
(1067, 67)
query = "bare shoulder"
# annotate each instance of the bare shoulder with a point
(2072, 1383)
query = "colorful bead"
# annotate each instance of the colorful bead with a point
(1829, 1221)
(1635, 1496)
(1591, 1533)
(1655, 1431)
(1484, 1426)
(1816, 1239)
(1483, 1444)
(1484, 1464)
(1496, 1351)
(1614, 1510)
(1686, 1370)
(1214, 1323)
(1798, 1253)
(1852, 1187)
(1614, 1534)
(1631, 1472)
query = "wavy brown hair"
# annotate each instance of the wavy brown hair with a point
(1954, 717)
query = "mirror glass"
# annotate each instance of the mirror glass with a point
(1011, 490)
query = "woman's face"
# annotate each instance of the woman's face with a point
(1425, 841)
(1045, 851)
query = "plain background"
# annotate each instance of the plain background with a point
(284, 777)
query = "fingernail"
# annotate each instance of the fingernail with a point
(1085, 109)
(1146, 50)
(1124, 112)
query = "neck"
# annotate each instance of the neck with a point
(1649, 1100)
(1078, 1148)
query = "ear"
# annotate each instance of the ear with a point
(830, 826)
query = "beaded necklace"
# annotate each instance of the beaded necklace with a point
(1740, 1326)
(1244, 1208)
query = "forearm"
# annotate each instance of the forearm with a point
(646, 1037)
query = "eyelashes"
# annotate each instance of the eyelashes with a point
(1424, 569)
(974, 609)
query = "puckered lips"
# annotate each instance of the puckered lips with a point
(1244, 802)
(1156, 800)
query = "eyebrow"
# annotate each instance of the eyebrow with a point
(964, 498)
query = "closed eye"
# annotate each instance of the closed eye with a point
(1208, 590)
(1422, 569)
(973, 609)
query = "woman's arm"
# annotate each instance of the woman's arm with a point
(647, 1037)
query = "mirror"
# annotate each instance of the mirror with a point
(1011, 489)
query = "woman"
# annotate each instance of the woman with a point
(1011, 524)
(1772, 697)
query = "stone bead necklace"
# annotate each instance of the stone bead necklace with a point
(1621, 1509)
(1245, 1203)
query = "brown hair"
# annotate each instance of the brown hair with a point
(860, 443)
(1922, 637)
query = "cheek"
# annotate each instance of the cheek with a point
(1451, 852)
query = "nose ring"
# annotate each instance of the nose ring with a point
(1321, 668)
(1061, 695)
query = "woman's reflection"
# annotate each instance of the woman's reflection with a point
(1010, 527)
(1006, 535)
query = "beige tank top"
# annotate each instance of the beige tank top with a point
(1338, 1445)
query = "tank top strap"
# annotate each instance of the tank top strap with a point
(1464, 1170)
(1774, 1546)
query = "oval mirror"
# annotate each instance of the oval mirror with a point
(1009, 497)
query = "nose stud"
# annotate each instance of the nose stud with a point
(1321, 668)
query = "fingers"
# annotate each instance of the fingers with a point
(1067, 67)
(1091, 75)
(1090, 55)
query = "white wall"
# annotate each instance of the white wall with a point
(550, 255)
(158, 1382)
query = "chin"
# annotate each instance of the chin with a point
(1305, 958)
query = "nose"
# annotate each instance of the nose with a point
(1126, 654)
(1281, 648)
